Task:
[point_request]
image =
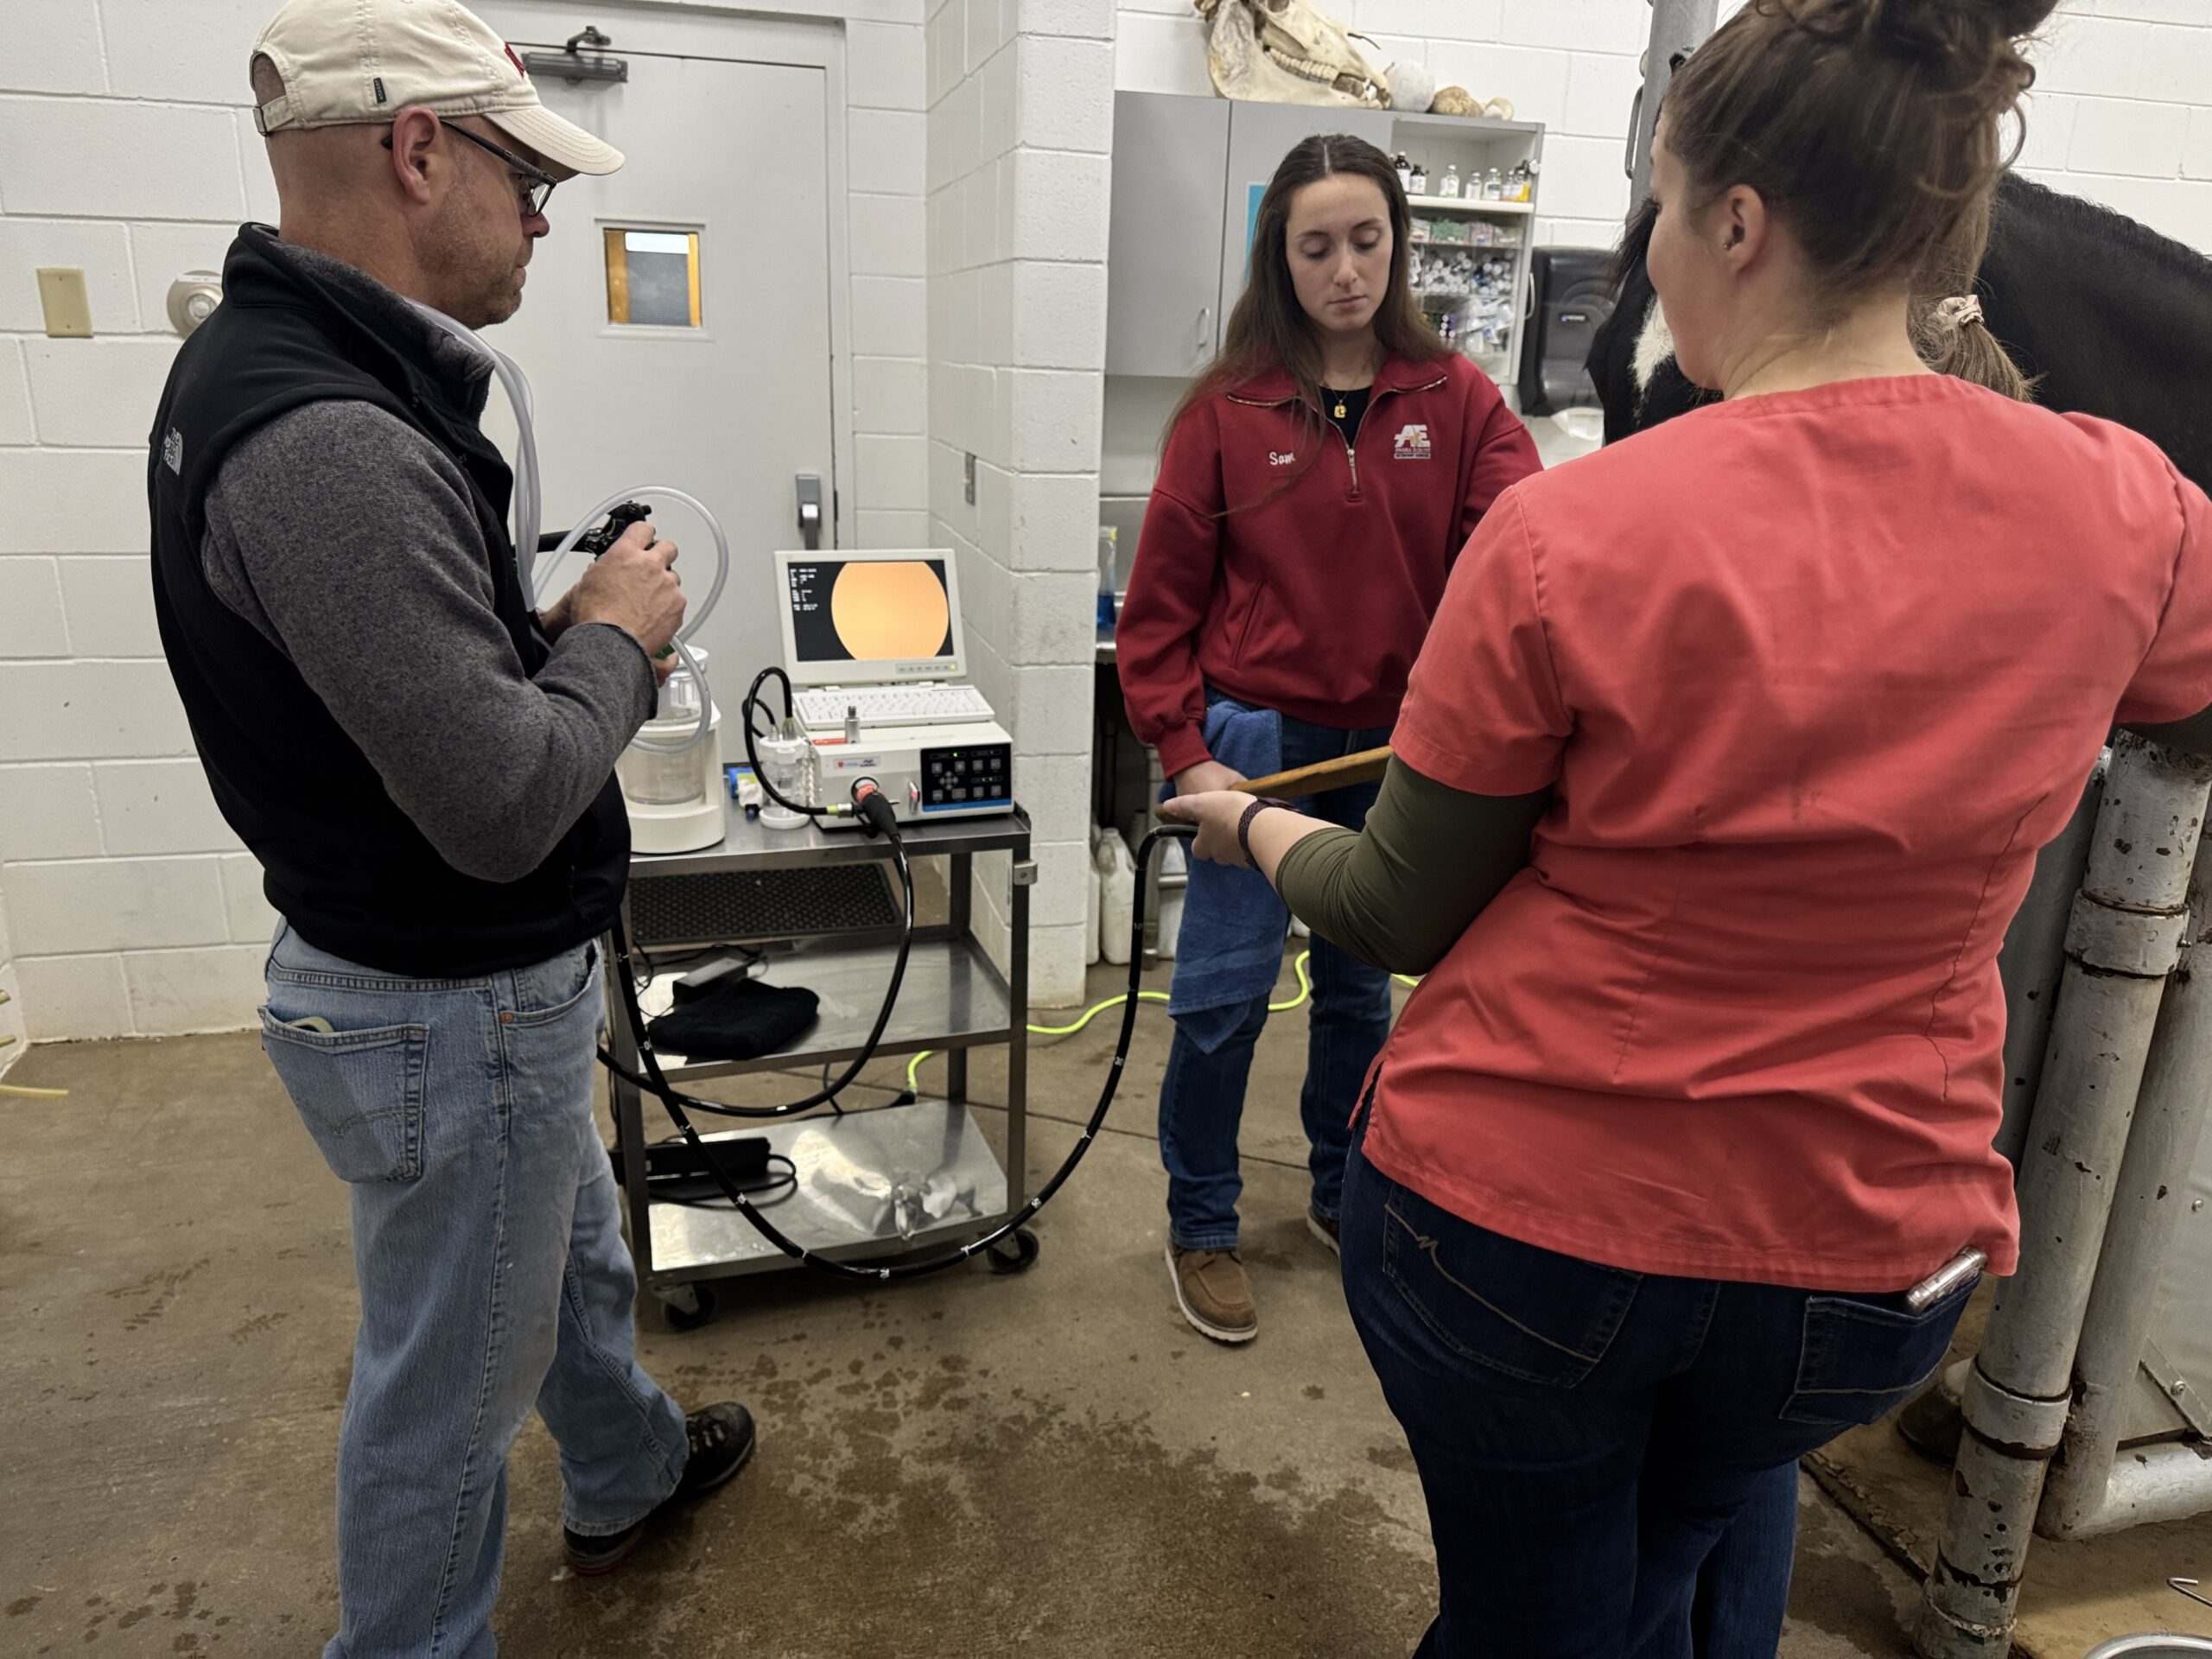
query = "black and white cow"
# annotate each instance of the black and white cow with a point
(2106, 315)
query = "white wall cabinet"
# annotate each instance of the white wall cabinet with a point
(1163, 288)
(1188, 175)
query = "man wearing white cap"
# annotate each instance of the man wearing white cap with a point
(423, 766)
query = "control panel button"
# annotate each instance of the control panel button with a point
(965, 776)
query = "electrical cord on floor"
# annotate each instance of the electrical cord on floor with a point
(878, 811)
(23, 1092)
(1305, 990)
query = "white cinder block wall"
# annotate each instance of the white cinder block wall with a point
(128, 903)
(885, 110)
(1021, 112)
(11, 1011)
(2122, 112)
(130, 153)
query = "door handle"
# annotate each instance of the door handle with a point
(810, 509)
(1199, 351)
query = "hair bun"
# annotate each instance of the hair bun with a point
(1970, 45)
(1979, 27)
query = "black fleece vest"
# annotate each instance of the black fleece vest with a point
(340, 861)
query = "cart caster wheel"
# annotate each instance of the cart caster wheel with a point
(1015, 1254)
(686, 1308)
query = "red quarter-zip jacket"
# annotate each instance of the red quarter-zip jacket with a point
(1312, 592)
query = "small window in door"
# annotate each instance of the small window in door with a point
(652, 277)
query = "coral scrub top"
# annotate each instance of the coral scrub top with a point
(1814, 677)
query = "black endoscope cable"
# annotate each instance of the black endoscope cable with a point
(872, 806)
(752, 701)
(881, 820)
(876, 818)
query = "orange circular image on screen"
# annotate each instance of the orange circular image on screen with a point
(892, 609)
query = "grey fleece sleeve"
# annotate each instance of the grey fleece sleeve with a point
(348, 539)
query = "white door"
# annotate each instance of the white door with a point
(732, 407)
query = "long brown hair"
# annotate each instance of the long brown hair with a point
(1270, 329)
(1875, 130)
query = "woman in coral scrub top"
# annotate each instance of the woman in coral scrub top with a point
(1716, 784)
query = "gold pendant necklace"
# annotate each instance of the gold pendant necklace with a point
(1340, 405)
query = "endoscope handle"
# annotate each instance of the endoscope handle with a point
(618, 524)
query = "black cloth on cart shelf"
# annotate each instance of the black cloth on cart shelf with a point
(734, 1018)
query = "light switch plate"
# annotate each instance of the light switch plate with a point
(61, 295)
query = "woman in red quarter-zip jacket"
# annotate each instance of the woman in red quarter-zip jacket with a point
(1319, 478)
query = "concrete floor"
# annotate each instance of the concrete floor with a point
(1051, 1464)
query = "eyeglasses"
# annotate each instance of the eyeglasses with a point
(535, 184)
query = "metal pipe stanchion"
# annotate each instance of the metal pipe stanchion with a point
(2030, 967)
(2034, 960)
(2083, 1498)
(1676, 26)
(2123, 937)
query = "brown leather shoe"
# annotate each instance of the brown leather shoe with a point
(1213, 1294)
(1325, 1229)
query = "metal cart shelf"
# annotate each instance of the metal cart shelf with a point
(879, 1181)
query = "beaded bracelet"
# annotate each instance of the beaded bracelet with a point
(1244, 825)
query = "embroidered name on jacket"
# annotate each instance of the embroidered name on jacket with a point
(1412, 442)
(1281, 457)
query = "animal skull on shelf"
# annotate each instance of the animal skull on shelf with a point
(1288, 52)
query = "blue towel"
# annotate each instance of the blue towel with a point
(1229, 950)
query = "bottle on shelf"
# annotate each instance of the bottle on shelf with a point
(1405, 173)
(1450, 185)
(1494, 187)
(1420, 182)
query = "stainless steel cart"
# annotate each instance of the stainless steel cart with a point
(877, 1181)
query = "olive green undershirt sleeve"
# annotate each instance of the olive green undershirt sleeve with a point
(1399, 894)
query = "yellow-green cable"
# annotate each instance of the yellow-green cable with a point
(1305, 990)
(1089, 1014)
(18, 1090)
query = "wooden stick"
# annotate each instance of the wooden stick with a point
(1343, 773)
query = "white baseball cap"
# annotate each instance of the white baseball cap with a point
(358, 62)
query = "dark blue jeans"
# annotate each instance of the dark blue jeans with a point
(1586, 1436)
(1202, 1097)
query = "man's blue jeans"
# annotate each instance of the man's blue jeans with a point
(1202, 1095)
(1586, 1436)
(494, 1277)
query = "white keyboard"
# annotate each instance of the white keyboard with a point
(891, 705)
